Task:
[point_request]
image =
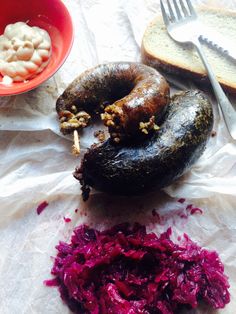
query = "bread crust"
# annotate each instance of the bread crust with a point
(176, 69)
(168, 68)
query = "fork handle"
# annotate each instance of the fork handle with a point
(227, 109)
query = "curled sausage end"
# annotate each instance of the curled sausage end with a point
(129, 96)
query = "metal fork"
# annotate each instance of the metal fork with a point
(182, 25)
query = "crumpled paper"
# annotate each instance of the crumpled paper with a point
(36, 165)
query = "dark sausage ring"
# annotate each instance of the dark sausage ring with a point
(157, 161)
(133, 96)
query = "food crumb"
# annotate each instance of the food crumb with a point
(76, 210)
(41, 207)
(100, 135)
(190, 206)
(51, 282)
(196, 210)
(213, 133)
(193, 210)
(145, 127)
(181, 200)
(67, 219)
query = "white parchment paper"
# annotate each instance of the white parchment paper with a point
(36, 165)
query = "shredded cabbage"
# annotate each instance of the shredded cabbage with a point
(125, 270)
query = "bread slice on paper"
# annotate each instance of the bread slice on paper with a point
(163, 53)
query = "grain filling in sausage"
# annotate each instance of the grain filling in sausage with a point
(131, 98)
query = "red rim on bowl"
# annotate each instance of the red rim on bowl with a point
(51, 15)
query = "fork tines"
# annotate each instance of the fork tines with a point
(176, 10)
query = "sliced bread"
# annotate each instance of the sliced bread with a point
(163, 53)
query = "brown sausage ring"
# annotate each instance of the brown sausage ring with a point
(132, 97)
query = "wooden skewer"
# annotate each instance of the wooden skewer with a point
(76, 146)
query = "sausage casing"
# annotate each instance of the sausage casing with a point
(157, 161)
